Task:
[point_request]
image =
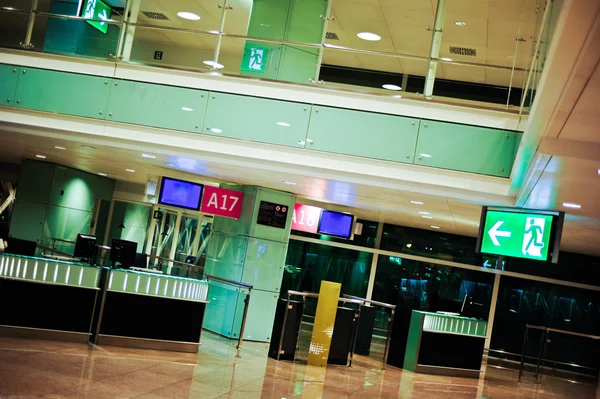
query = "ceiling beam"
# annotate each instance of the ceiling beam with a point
(570, 149)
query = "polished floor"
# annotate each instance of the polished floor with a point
(47, 369)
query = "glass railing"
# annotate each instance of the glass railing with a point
(488, 54)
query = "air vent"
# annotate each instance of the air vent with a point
(469, 52)
(331, 36)
(157, 16)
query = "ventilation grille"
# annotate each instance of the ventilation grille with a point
(469, 52)
(158, 16)
(331, 36)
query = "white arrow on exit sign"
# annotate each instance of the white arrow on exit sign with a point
(495, 233)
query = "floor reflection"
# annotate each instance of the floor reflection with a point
(34, 368)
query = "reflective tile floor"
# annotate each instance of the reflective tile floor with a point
(47, 369)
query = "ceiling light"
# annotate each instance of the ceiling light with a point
(388, 86)
(435, 227)
(88, 147)
(170, 165)
(416, 202)
(214, 32)
(423, 213)
(571, 205)
(427, 217)
(148, 156)
(371, 37)
(291, 183)
(214, 64)
(130, 170)
(41, 156)
(445, 59)
(215, 130)
(186, 109)
(102, 174)
(215, 73)
(284, 124)
(460, 23)
(409, 245)
(397, 96)
(599, 172)
(59, 147)
(188, 15)
(425, 155)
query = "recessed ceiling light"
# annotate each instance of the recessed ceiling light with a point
(59, 147)
(148, 156)
(416, 202)
(599, 172)
(284, 124)
(89, 147)
(214, 64)
(188, 109)
(571, 205)
(389, 86)
(369, 36)
(445, 59)
(397, 96)
(130, 170)
(215, 73)
(423, 213)
(425, 155)
(102, 174)
(216, 130)
(460, 23)
(409, 245)
(435, 227)
(188, 15)
(170, 165)
(291, 183)
(214, 32)
(40, 156)
(427, 217)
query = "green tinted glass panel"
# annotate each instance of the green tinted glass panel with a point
(157, 105)
(64, 224)
(261, 315)
(465, 148)
(437, 322)
(8, 83)
(157, 285)
(46, 91)
(520, 235)
(225, 309)
(257, 119)
(96, 9)
(27, 220)
(264, 264)
(363, 134)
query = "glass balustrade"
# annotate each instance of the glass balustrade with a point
(480, 54)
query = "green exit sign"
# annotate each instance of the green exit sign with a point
(96, 9)
(519, 234)
(255, 58)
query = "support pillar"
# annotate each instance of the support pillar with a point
(251, 252)
(301, 21)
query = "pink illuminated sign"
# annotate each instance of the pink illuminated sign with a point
(222, 202)
(306, 218)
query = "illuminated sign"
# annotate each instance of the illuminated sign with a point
(98, 10)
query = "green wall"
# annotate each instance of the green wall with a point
(130, 222)
(54, 201)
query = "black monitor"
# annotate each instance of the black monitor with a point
(85, 247)
(141, 261)
(122, 253)
(17, 246)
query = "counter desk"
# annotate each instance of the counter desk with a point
(59, 300)
(445, 344)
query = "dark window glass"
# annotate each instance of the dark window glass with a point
(366, 239)
(430, 244)
(522, 302)
(308, 264)
(438, 288)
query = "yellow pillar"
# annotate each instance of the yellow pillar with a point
(329, 294)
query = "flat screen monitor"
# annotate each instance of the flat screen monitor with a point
(85, 246)
(180, 193)
(336, 224)
(122, 253)
(17, 246)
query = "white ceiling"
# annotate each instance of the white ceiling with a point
(492, 28)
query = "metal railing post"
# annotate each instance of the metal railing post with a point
(388, 338)
(523, 353)
(243, 327)
(537, 369)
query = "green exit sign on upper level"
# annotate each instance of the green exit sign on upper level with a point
(519, 234)
(96, 9)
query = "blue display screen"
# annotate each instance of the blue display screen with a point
(179, 193)
(336, 224)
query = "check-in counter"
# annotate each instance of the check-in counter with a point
(59, 300)
(149, 310)
(45, 298)
(445, 344)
